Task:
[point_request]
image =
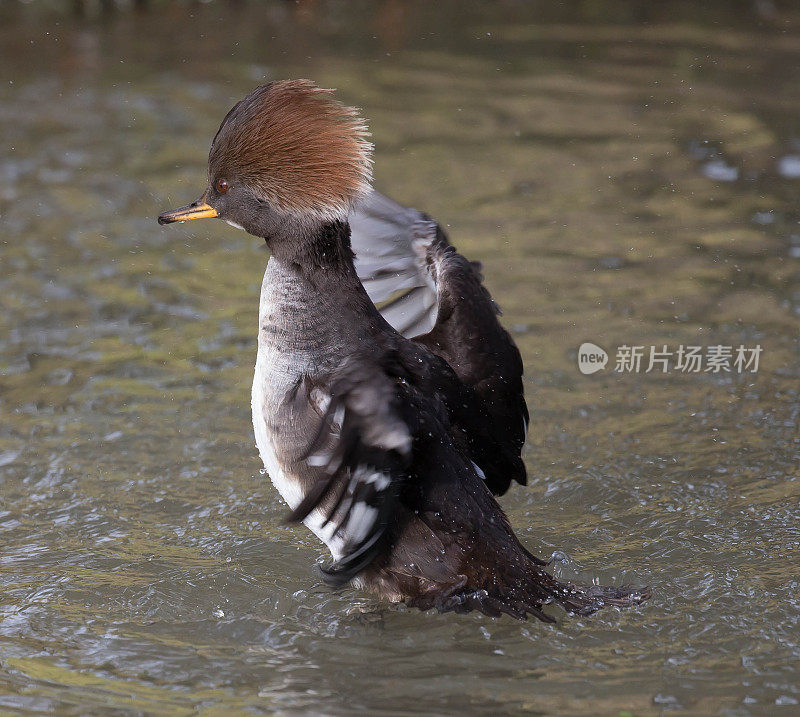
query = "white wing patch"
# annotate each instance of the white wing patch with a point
(380, 480)
(360, 522)
(359, 517)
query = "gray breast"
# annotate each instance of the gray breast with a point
(291, 345)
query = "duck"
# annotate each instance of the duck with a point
(388, 402)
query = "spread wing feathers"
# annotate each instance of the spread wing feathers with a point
(431, 293)
(468, 333)
(496, 458)
(382, 236)
(361, 453)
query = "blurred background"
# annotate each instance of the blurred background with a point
(628, 173)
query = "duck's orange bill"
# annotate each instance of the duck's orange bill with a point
(195, 210)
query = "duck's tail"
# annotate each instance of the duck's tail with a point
(528, 596)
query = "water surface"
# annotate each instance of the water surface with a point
(626, 177)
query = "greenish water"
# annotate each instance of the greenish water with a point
(627, 176)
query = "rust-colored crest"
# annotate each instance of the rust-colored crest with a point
(296, 147)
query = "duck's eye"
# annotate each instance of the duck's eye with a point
(222, 186)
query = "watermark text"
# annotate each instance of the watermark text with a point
(661, 359)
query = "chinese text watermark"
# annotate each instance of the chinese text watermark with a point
(661, 359)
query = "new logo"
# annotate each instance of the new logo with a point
(591, 358)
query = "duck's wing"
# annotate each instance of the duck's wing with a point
(433, 295)
(360, 455)
(413, 516)
(382, 404)
(469, 336)
(390, 270)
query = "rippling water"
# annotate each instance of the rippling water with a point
(626, 176)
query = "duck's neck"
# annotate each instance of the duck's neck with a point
(322, 251)
(312, 295)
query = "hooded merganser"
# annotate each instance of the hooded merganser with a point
(386, 431)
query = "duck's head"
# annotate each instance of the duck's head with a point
(285, 159)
